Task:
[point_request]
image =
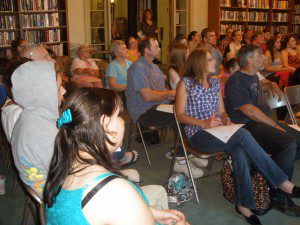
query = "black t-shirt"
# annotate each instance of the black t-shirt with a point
(242, 89)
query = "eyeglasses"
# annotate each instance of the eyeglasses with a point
(210, 59)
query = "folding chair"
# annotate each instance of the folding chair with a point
(140, 132)
(36, 205)
(292, 94)
(187, 148)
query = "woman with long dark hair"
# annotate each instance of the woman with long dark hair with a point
(193, 40)
(84, 186)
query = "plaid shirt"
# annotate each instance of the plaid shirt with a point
(141, 75)
(201, 103)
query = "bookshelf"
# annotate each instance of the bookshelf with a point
(38, 21)
(277, 15)
(296, 17)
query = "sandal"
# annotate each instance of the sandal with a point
(128, 161)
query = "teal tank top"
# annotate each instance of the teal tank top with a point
(67, 207)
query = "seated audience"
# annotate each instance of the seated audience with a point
(35, 52)
(83, 180)
(146, 90)
(84, 69)
(177, 60)
(209, 40)
(247, 36)
(116, 71)
(246, 103)
(234, 46)
(258, 39)
(199, 105)
(230, 67)
(226, 40)
(133, 51)
(290, 58)
(274, 70)
(193, 40)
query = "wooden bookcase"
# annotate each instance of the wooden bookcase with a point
(296, 17)
(277, 15)
(38, 21)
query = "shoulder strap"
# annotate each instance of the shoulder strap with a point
(94, 191)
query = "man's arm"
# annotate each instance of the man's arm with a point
(150, 95)
(257, 115)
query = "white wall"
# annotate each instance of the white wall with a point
(198, 15)
(76, 23)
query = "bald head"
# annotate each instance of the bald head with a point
(35, 52)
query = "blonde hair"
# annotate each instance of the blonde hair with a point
(196, 65)
(114, 47)
(177, 58)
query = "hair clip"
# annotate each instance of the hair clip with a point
(65, 118)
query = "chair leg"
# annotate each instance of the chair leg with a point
(25, 210)
(6, 161)
(15, 186)
(129, 136)
(191, 176)
(42, 214)
(143, 142)
(174, 157)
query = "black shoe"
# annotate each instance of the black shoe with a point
(286, 205)
(261, 212)
(251, 219)
(295, 192)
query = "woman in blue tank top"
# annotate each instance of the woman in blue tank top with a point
(84, 186)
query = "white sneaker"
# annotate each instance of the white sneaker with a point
(181, 167)
(198, 162)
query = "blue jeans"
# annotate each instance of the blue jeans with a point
(245, 152)
(284, 147)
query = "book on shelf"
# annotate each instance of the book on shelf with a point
(8, 6)
(58, 49)
(297, 19)
(40, 20)
(297, 8)
(39, 5)
(40, 36)
(232, 26)
(258, 16)
(234, 15)
(6, 38)
(263, 4)
(9, 22)
(281, 29)
(280, 17)
(280, 4)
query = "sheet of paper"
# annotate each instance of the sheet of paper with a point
(295, 127)
(224, 133)
(165, 108)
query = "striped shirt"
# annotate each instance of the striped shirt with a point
(201, 103)
(142, 74)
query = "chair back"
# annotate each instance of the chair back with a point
(41, 206)
(273, 102)
(292, 94)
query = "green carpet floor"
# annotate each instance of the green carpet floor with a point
(214, 209)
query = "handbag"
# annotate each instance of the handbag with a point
(259, 184)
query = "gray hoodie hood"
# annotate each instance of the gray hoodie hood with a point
(35, 90)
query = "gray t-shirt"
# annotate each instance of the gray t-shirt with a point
(217, 55)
